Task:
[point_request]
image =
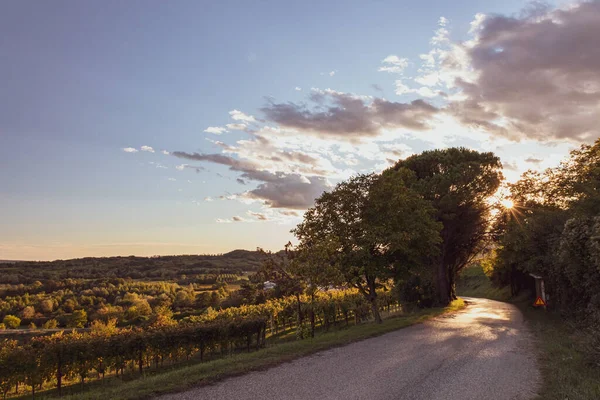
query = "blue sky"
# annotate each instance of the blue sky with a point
(82, 81)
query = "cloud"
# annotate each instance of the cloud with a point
(147, 148)
(237, 219)
(277, 190)
(180, 167)
(289, 191)
(236, 127)
(394, 64)
(172, 179)
(208, 199)
(217, 130)
(258, 216)
(533, 160)
(350, 117)
(130, 150)
(240, 181)
(332, 73)
(165, 152)
(298, 89)
(376, 87)
(237, 115)
(289, 213)
(536, 75)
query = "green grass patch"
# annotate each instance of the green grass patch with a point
(473, 282)
(566, 369)
(186, 377)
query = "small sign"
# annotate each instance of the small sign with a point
(539, 302)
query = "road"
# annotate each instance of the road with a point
(482, 352)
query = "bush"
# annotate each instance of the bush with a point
(50, 324)
(12, 322)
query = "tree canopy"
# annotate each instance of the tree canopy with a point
(458, 182)
(364, 227)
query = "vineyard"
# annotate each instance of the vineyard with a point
(64, 359)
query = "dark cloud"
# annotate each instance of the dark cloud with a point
(237, 219)
(241, 181)
(538, 72)
(376, 87)
(348, 117)
(277, 189)
(289, 191)
(259, 216)
(510, 166)
(289, 213)
(533, 160)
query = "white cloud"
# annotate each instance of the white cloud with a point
(130, 150)
(298, 89)
(217, 130)
(332, 73)
(166, 153)
(181, 167)
(394, 64)
(237, 115)
(147, 148)
(236, 127)
(208, 199)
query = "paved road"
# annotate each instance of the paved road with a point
(483, 352)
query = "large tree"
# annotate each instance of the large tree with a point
(363, 227)
(458, 182)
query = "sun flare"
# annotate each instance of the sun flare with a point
(508, 203)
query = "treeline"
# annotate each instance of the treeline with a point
(173, 268)
(554, 231)
(52, 361)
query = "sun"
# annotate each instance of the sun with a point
(508, 203)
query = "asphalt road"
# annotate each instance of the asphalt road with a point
(483, 352)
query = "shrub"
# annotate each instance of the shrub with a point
(12, 322)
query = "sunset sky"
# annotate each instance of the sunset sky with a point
(153, 127)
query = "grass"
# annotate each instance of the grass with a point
(190, 376)
(473, 282)
(566, 371)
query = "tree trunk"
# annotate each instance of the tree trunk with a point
(452, 285)
(443, 288)
(299, 309)
(59, 377)
(312, 315)
(375, 310)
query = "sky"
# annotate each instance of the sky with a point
(186, 127)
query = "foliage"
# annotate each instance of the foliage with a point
(11, 321)
(362, 228)
(554, 232)
(458, 182)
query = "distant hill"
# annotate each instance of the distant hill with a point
(132, 267)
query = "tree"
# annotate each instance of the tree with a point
(11, 322)
(50, 324)
(277, 268)
(78, 319)
(364, 228)
(458, 183)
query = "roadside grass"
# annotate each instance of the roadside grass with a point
(186, 377)
(473, 282)
(566, 371)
